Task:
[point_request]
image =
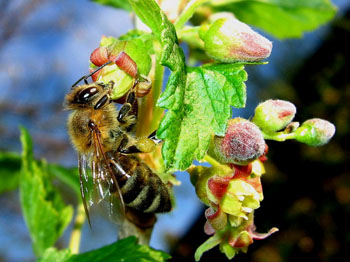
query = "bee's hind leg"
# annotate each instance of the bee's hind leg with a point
(142, 145)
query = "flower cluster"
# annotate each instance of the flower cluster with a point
(232, 188)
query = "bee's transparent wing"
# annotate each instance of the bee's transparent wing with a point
(84, 183)
(106, 188)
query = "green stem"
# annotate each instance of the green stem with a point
(188, 12)
(216, 165)
(158, 84)
(279, 136)
(75, 237)
(149, 114)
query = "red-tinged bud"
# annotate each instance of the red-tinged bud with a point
(228, 40)
(243, 239)
(218, 186)
(315, 132)
(126, 63)
(208, 229)
(264, 158)
(242, 143)
(242, 171)
(99, 56)
(143, 88)
(274, 115)
(217, 219)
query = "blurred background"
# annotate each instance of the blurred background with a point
(45, 47)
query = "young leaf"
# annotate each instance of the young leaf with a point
(10, 166)
(45, 213)
(124, 250)
(115, 3)
(209, 93)
(281, 18)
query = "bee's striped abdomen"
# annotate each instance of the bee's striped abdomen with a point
(144, 190)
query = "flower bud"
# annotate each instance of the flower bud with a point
(240, 200)
(274, 115)
(228, 40)
(143, 88)
(217, 219)
(99, 56)
(315, 132)
(243, 142)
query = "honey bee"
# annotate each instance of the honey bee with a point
(107, 152)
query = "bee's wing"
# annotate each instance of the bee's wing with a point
(84, 181)
(105, 183)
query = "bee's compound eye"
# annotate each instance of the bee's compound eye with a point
(85, 95)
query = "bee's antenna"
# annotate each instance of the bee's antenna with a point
(93, 72)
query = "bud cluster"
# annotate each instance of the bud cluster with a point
(274, 118)
(232, 187)
(232, 193)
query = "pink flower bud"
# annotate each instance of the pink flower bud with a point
(228, 40)
(274, 115)
(242, 143)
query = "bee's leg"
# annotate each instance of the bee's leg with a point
(142, 145)
(93, 72)
(128, 112)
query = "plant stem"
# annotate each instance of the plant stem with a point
(188, 12)
(216, 165)
(75, 237)
(149, 114)
(279, 136)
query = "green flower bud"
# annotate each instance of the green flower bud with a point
(274, 115)
(228, 40)
(315, 132)
(243, 142)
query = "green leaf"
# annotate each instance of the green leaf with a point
(53, 255)
(45, 213)
(149, 13)
(209, 93)
(125, 250)
(115, 3)
(10, 166)
(281, 18)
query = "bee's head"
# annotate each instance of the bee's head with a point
(91, 95)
